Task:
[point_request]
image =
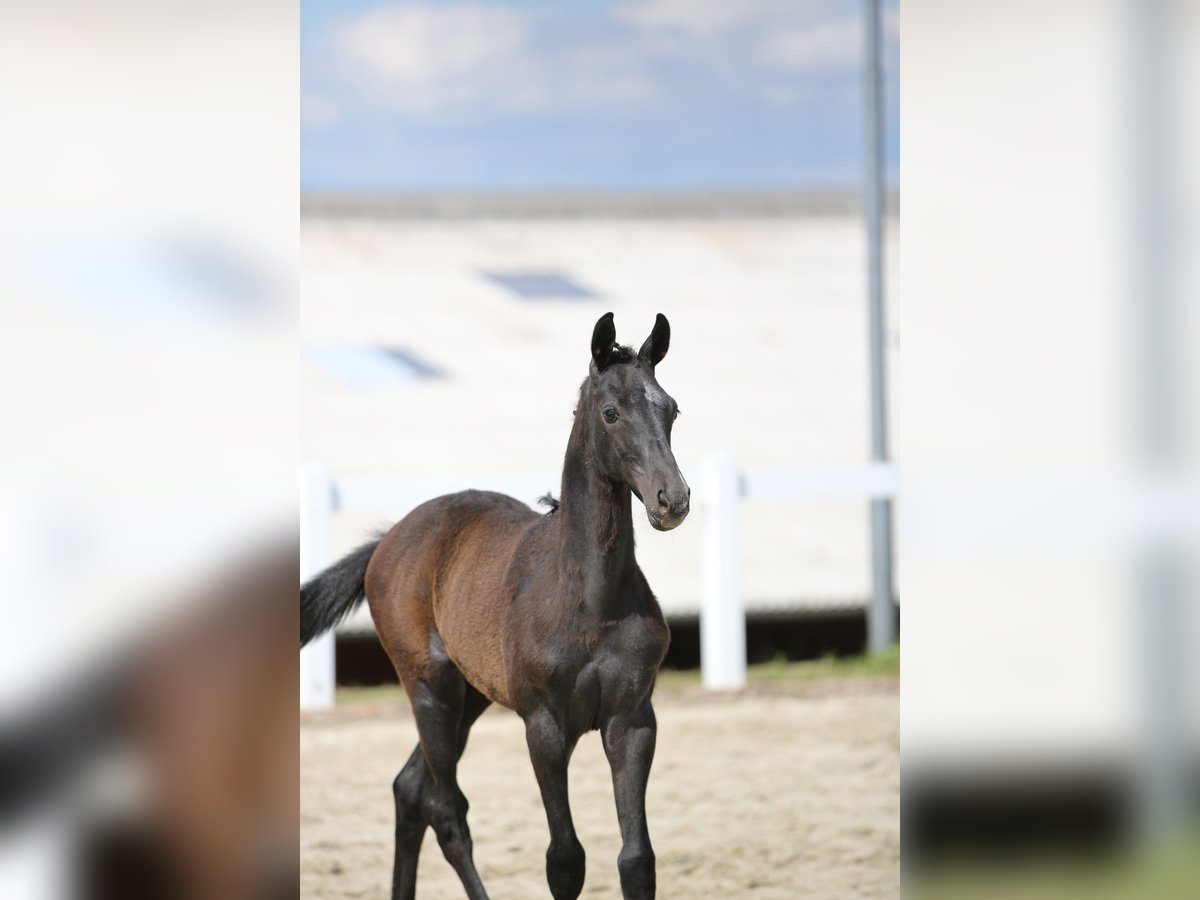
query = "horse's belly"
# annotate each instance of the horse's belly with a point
(470, 626)
(469, 602)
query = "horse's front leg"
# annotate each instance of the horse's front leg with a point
(629, 743)
(550, 750)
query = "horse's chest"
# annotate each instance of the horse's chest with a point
(618, 674)
(632, 646)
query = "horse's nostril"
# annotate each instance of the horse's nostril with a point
(662, 501)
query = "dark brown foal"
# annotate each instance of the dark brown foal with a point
(478, 599)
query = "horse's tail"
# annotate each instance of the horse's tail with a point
(332, 595)
(43, 749)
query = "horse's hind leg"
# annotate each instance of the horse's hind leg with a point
(409, 788)
(439, 696)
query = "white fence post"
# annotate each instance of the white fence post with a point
(722, 617)
(317, 661)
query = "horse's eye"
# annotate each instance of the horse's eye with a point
(610, 415)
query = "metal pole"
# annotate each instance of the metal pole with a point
(1153, 295)
(881, 619)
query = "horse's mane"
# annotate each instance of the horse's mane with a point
(621, 354)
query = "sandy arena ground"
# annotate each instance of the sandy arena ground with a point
(784, 791)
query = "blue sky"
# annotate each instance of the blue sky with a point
(589, 94)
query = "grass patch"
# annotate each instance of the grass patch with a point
(870, 665)
(374, 693)
(1167, 872)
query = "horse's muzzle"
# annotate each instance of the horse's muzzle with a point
(669, 508)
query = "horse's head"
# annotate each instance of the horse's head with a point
(628, 417)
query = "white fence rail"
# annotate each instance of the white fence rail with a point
(717, 493)
(317, 660)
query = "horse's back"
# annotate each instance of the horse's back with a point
(434, 585)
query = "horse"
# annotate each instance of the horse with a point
(479, 599)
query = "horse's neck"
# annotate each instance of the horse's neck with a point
(597, 534)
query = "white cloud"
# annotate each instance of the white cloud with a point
(709, 18)
(426, 57)
(827, 46)
(791, 36)
(443, 60)
(433, 59)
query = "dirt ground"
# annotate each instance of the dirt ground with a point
(782, 791)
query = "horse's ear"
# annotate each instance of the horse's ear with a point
(603, 337)
(656, 345)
